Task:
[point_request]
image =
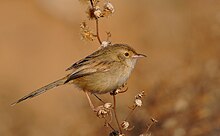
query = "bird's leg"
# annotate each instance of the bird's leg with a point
(90, 102)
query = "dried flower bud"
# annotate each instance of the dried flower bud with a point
(114, 133)
(138, 102)
(108, 105)
(83, 25)
(139, 95)
(154, 120)
(97, 12)
(102, 113)
(105, 43)
(103, 110)
(94, 12)
(108, 8)
(86, 33)
(125, 125)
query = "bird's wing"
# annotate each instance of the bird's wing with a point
(88, 69)
(86, 60)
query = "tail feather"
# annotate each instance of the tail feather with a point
(41, 90)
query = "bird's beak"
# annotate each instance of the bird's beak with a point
(139, 56)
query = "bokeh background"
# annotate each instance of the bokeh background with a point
(39, 39)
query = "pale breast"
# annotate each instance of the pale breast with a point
(104, 82)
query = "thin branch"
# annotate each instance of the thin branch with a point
(100, 42)
(97, 31)
(91, 3)
(130, 113)
(93, 107)
(111, 126)
(115, 113)
(153, 121)
(97, 24)
(98, 98)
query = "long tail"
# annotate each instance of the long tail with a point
(41, 90)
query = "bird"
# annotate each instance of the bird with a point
(103, 71)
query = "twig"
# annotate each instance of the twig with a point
(97, 31)
(123, 91)
(98, 98)
(115, 113)
(111, 126)
(153, 121)
(91, 3)
(137, 103)
(97, 24)
(93, 107)
(108, 36)
(130, 113)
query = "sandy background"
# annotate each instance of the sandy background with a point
(39, 39)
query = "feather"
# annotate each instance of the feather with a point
(41, 90)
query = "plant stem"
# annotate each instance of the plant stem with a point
(97, 25)
(91, 3)
(97, 31)
(116, 118)
(130, 113)
(98, 98)
(111, 127)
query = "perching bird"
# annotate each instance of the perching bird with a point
(103, 71)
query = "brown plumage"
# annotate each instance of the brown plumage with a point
(101, 72)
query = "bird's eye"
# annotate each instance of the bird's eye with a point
(126, 54)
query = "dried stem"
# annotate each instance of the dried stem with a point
(91, 3)
(98, 98)
(93, 107)
(130, 113)
(149, 126)
(111, 126)
(97, 31)
(97, 24)
(153, 121)
(115, 113)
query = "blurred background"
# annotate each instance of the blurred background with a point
(39, 39)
